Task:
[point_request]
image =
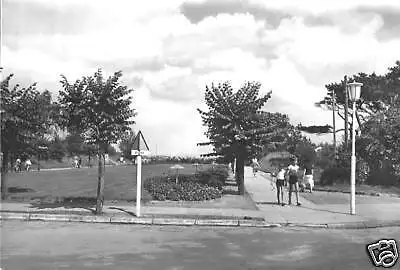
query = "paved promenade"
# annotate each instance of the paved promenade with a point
(262, 191)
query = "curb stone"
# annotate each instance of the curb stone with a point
(89, 219)
(22, 216)
(131, 220)
(305, 225)
(217, 222)
(14, 216)
(173, 221)
(48, 217)
(251, 223)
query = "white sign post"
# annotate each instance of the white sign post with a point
(139, 148)
(138, 184)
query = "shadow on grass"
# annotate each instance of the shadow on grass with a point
(19, 190)
(86, 203)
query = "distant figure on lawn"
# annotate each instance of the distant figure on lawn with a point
(18, 165)
(76, 162)
(292, 171)
(79, 162)
(28, 165)
(308, 177)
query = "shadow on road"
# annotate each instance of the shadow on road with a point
(325, 210)
(123, 210)
(68, 202)
(267, 203)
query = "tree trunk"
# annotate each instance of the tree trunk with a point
(89, 165)
(346, 119)
(4, 176)
(334, 122)
(100, 187)
(240, 173)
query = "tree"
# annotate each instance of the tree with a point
(379, 143)
(378, 93)
(26, 119)
(126, 144)
(237, 128)
(98, 109)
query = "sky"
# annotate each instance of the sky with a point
(169, 50)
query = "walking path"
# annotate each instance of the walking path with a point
(260, 188)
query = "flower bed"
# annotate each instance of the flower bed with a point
(205, 185)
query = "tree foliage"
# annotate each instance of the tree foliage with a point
(379, 144)
(313, 129)
(378, 93)
(98, 109)
(126, 144)
(235, 119)
(236, 125)
(27, 117)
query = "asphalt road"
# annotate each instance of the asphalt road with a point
(39, 245)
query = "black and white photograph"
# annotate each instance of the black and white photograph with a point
(199, 134)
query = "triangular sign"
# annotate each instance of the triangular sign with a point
(140, 143)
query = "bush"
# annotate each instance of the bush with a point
(214, 177)
(382, 177)
(335, 175)
(188, 189)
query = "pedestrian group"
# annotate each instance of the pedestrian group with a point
(18, 165)
(289, 176)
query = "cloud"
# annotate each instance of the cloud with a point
(196, 12)
(169, 50)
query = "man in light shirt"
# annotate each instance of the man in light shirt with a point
(292, 171)
(28, 165)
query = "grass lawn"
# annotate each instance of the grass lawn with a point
(60, 187)
(362, 189)
(323, 197)
(66, 162)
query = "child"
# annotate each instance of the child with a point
(280, 182)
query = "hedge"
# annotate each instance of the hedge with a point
(188, 189)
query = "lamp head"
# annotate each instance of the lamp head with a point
(354, 90)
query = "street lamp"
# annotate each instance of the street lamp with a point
(354, 91)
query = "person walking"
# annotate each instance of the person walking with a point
(292, 171)
(255, 165)
(308, 178)
(280, 182)
(28, 165)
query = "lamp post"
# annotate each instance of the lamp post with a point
(354, 90)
